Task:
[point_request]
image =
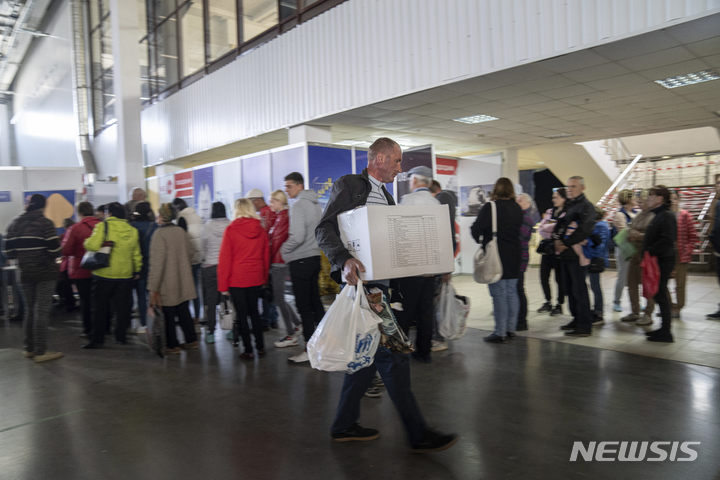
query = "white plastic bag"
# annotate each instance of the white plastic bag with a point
(347, 337)
(451, 313)
(227, 316)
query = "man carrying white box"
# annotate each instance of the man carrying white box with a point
(348, 193)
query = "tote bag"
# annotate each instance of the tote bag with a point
(650, 275)
(487, 266)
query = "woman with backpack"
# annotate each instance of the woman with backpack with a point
(620, 221)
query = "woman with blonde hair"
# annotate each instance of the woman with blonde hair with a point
(279, 271)
(620, 221)
(242, 270)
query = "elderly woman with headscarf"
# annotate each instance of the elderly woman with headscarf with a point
(531, 216)
(170, 278)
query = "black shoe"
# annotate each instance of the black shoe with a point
(577, 333)
(546, 307)
(492, 338)
(569, 326)
(121, 342)
(435, 442)
(598, 320)
(511, 335)
(19, 318)
(556, 310)
(521, 327)
(93, 345)
(662, 337)
(421, 358)
(713, 316)
(356, 433)
(261, 352)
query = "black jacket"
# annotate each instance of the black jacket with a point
(32, 240)
(582, 212)
(660, 235)
(449, 198)
(348, 192)
(509, 220)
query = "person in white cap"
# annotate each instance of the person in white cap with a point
(267, 216)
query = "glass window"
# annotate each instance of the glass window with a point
(142, 18)
(288, 8)
(94, 14)
(307, 3)
(223, 27)
(105, 7)
(97, 104)
(144, 71)
(107, 54)
(101, 64)
(108, 98)
(163, 8)
(193, 38)
(258, 16)
(95, 54)
(167, 54)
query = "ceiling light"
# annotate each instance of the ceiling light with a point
(701, 153)
(688, 79)
(475, 119)
(665, 157)
(557, 135)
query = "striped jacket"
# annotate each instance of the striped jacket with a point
(32, 240)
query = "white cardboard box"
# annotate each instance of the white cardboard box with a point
(398, 241)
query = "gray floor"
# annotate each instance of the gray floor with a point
(122, 413)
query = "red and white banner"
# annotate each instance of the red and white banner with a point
(446, 166)
(184, 184)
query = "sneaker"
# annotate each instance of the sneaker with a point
(617, 308)
(288, 341)
(141, 330)
(569, 326)
(190, 346)
(173, 351)
(557, 310)
(356, 433)
(546, 307)
(301, 357)
(645, 320)
(374, 391)
(598, 320)
(47, 356)
(492, 338)
(713, 316)
(27, 354)
(633, 317)
(577, 333)
(435, 442)
(209, 338)
(438, 346)
(663, 338)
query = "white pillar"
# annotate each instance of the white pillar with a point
(5, 133)
(309, 133)
(510, 165)
(126, 85)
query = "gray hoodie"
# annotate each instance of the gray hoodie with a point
(211, 239)
(305, 215)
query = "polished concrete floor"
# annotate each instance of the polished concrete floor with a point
(123, 413)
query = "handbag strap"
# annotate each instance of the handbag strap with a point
(105, 227)
(494, 218)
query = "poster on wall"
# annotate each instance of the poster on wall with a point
(60, 205)
(411, 159)
(166, 188)
(326, 165)
(227, 184)
(184, 184)
(446, 173)
(472, 198)
(203, 182)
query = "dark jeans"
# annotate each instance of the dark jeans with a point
(304, 275)
(182, 313)
(269, 314)
(140, 288)
(211, 296)
(84, 288)
(111, 294)
(198, 290)
(522, 299)
(548, 263)
(35, 324)
(64, 290)
(418, 294)
(597, 292)
(662, 298)
(394, 368)
(11, 279)
(245, 301)
(578, 296)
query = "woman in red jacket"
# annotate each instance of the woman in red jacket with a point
(242, 270)
(279, 270)
(687, 239)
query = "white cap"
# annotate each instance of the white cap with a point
(255, 193)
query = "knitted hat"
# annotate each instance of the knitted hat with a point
(36, 202)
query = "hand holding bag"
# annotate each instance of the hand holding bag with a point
(487, 266)
(625, 246)
(650, 275)
(101, 258)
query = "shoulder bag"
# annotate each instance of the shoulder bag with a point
(101, 258)
(487, 266)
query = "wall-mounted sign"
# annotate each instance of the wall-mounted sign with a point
(5, 196)
(184, 184)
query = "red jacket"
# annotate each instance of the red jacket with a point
(278, 235)
(687, 237)
(72, 246)
(267, 217)
(244, 255)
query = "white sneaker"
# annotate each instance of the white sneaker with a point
(438, 346)
(286, 342)
(301, 357)
(141, 330)
(644, 320)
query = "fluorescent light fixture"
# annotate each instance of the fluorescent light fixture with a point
(688, 79)
(701, 153)
(557, 135)
(472, 119)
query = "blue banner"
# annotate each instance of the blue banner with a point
(204, 190)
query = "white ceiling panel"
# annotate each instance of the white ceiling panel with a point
(657, 59)
(681, 68)
(596, 72)
(640, 45)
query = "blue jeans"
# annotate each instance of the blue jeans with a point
(597, 292)
(506, 305)
(394, 368)
(140, 287)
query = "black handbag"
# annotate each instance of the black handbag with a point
(597, 265)
(545, 247)
(101, 258)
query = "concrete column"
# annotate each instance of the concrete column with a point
(5, 133)
(309, 133)
(510, 165)
(126, 85)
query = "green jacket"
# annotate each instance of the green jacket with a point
(125, 257)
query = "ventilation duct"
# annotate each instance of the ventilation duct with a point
(81, 92)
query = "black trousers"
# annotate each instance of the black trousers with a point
(578, 296)
(418, 294)
(64, 290)
(180, 312)
(84, 288)
(662, 298)
(304, 274)
(245, 301)
(522, 311)
(111, 295)
(547, 264)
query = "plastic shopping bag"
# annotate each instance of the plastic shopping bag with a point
(650, 275)
(227, 316)
(347, 337)
(156, 331)
(451, 313)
